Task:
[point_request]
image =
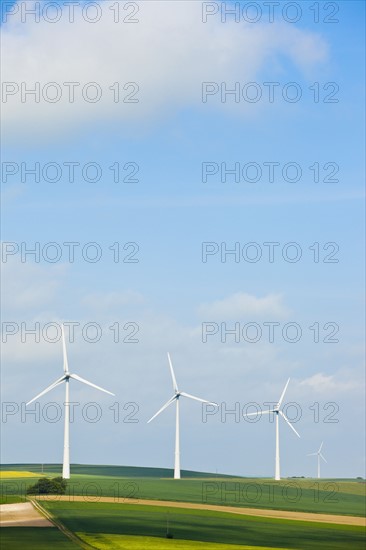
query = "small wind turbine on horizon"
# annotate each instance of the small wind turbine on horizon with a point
(277, 412)
(66, 378)
(176, 396)
(319, 455)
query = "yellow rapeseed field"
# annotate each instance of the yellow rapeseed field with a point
(5, 474)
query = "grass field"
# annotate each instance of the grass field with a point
(323, 496)
(118, 525)
(125, 542)
(98, 520)
(35, 538)
(11, 499)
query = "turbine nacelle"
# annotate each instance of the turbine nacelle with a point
(177, 394)
(67, 374)
(277, 410)
(318, 453)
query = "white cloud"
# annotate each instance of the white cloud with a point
(329, 384)
(169, 53)
(242, 305)
(26, 286)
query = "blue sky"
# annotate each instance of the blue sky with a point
(169, 213)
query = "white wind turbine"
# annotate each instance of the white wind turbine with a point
(277, 412)
(66, 378)
(176, 396)
(319, 455)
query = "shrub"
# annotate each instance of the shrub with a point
(47, 486)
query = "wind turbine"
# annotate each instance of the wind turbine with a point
(319, 455)
(176, 396)
(66, 378)
(277, 412)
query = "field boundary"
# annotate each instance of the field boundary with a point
(61, 527)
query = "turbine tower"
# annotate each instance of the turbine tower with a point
(175, 398)
(277, 412)
(319, 455)
(66, 378)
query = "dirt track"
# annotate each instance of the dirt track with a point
(22, 515)
(279, 514)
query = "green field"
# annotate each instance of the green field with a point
(125, 542)
(35, 538)
(304, 495)
(11, 499)
(135, 527)
(132, 526)
(96, 520)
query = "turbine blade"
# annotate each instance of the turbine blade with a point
(66, 364)
(320, 448)
(175, 385)
(288, 422)
(283, 394)
(163, 407)
(76, 377)
(197, 398)
(259, 412)
(322, 457)
(312, 454)
(49, 388)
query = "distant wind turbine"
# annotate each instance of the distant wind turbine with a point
(176, 396)
(277, 412)
(319, 455)
(66, 378)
